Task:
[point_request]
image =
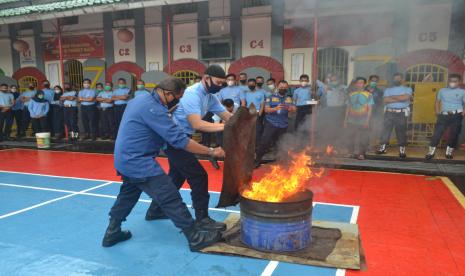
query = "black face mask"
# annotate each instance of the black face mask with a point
(282, 92)
(47, 85)
(31, 87)
(213, 88)
(172, 103)
(252, 87)
(260, 84)
(242, 81)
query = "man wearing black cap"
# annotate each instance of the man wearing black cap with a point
(196, 102)
(147, 124)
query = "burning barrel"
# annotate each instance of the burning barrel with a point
(277, 226)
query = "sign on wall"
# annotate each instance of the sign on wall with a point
(75, 47)
(429, 27)
(153, 48)
(124, 45)
(27, 55)
(256, 36)
(185, 43)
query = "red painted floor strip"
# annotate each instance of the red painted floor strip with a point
(409, 224)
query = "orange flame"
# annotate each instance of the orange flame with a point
(281, 182)
(329, 149)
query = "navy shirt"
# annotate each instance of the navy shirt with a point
(278, 118)
(145, 128)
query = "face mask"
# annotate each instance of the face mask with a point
(453, 85)
(304, 83)
(252, 87)
(213, 88)
(282, 91)
(373, 84)
(86, 85)
(271, 86)
(40, 96)
(13, 90)
(57, 91)
(121, 85)
(47, 85)
(396, 83)
(231, 83)
(259, 84)
(31, 87)
(243, 81)
(140, 86)
(107, 88)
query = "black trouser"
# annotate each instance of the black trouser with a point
(452, 121)
(184, 165)
(302, 112)
(271, 135)
(50, 120)
(207, 136)
(57, 119)
(88, 119)
(71, 118)
(40, 124)
(398, 121)
(5, 124)
(161, 189)
(26, 120)
(118, 110)
(107, 128)
(358, 138)
(17, 116)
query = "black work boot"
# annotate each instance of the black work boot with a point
(203, 221)
(155, 212)
(199, 238)
(114, 235)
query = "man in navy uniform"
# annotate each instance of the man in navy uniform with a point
(199, 99)
(450, 103)
(277, 109)
(148, 125)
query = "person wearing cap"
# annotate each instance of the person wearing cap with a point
(450, 106)
(198, 99)
(147, 124)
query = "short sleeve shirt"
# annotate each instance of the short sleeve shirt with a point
(280, 118)
(358, 106)
(451, 99)
(398, 91)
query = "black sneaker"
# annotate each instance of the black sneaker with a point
(199, 238)
(114, 235)
(209, 224)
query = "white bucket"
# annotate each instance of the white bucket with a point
(43, 140)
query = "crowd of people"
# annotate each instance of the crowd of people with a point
(347, 115)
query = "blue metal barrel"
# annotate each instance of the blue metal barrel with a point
(273, 226)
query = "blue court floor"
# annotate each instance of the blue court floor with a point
(54, 225)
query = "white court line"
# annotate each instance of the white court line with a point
(268, 271)
(97, 195)
(53, 200)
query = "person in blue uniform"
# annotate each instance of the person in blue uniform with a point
(231, 91)
(149, 126)
(38, 109)
(397, 101)
(302, 99)
(277, 109)
(141, 90)
(120, 99)
(26, 97)
(88, 110)
(450, 106)
(197, 101)
(48, 94)
(56, 107)
(16, 110)
(6, 102)
(70, 111)
(106, 112)
(255, 96)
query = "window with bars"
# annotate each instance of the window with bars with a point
(333, 60)
(187, 76)
(425, 73)
(74, 74)
(25, 81)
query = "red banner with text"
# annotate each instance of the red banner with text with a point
(75, 47)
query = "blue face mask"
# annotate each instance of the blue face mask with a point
(213, 88)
